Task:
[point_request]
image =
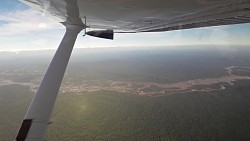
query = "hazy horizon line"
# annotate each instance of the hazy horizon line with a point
(125, 47)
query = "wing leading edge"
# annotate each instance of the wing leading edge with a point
(147, 16)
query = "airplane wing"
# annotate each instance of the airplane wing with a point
(146, 15)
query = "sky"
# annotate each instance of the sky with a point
(23, 28)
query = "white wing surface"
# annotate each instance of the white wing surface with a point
(147, 15)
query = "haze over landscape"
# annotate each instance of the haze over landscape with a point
(150, 93)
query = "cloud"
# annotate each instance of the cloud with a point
(26, 22)
(29, 29)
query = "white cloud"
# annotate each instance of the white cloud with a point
(29, 29)
(25, 22)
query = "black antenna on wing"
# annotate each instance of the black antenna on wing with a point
(105, 34)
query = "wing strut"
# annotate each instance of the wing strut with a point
(38, 115)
